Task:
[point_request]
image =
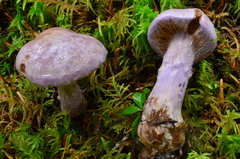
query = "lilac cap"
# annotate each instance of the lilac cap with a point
(59, 56)
(191, 21)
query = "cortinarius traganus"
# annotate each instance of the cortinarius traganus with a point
(182, 37)
(59, 57)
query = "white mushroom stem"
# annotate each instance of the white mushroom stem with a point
(161, 128)
(71, 99)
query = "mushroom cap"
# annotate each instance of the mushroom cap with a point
(59, 56)
(190, 21)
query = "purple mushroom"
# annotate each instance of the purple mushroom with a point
(182, 37)
(59, 57)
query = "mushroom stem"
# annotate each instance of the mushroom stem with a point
(161, 127)
(71, 98)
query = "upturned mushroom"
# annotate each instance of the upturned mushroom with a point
(59, 57)
(182, 37)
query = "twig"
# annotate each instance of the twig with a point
(65, 147)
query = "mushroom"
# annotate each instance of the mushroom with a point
(182, 37)
(59, 57)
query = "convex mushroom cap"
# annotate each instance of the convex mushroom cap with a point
(59, 56)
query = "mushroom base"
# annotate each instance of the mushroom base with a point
(163, 139)
(71, 99)
(161, 128)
